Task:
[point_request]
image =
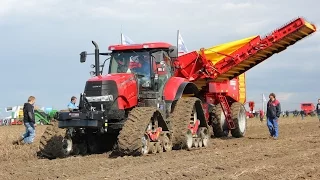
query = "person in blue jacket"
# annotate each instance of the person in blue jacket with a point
(273, 114)
(72, 103)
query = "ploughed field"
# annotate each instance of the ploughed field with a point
(295, 155)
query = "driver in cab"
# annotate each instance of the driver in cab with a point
(140, 65)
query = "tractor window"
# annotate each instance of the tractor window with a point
(130, 62)
(119, 63)
(163, 68)
(137, 62)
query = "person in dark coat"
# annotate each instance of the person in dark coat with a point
(287, 113)
(318, 109)
(273, 114)
(29, 123)
(302, 113)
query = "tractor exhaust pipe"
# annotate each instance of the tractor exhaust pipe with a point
(96, 58)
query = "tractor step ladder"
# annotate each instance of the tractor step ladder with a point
(226, 111)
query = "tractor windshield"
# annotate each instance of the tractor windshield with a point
(136, 62)
(139, 63)
(130, 62)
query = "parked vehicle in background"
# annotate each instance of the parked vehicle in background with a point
(308, 108)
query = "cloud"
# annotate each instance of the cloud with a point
(236, 6)
(31, 7)
(285, 96)
(253, 27)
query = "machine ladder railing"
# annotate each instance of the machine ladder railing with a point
(226, 111)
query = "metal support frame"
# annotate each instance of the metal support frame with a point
(226, 111)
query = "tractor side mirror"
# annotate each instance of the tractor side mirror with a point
(83, 56)
(173, 52)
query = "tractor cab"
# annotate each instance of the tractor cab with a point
(137, 76)
(150, 62)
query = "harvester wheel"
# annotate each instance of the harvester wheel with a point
(182, 136)
(132, 139)
(219, 123)
(53, 142)
(239, 118)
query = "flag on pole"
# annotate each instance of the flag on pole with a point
(125, 40)
(182, 48)
(264, 98)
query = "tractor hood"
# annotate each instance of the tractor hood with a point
(120, 89)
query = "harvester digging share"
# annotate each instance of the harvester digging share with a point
(153, 100)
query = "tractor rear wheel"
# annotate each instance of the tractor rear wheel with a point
(239, 118)
(219, 123)
(54, 143)
(186, 112)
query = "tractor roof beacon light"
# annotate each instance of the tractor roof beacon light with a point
(96, 58)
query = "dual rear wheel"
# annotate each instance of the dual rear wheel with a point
(219, 123)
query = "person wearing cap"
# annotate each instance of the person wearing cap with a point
(72, 103)
(273, 114)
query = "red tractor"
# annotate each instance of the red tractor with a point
(151, 100)
(308, 108)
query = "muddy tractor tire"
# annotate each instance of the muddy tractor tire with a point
(239, 118)
(185, 112)
(219, 123)
(53, 142)
(132, 139)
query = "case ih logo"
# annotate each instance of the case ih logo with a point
(100, 98)
(97, 86)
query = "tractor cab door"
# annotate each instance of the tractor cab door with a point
(160, 72)
(161, 69)
(154, 72)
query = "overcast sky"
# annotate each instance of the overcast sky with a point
(41, 42)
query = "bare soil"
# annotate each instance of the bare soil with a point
(295, 155)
